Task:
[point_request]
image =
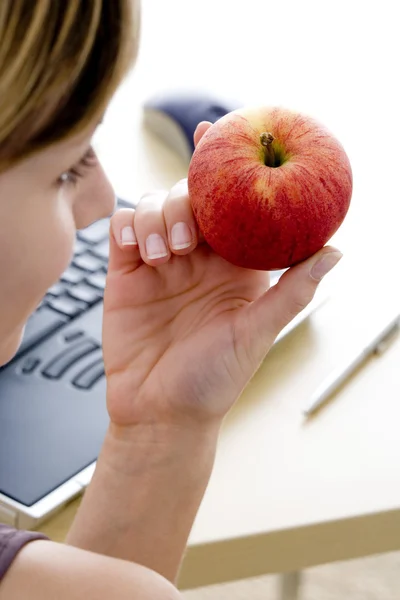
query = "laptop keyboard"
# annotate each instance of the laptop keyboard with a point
(80, 287)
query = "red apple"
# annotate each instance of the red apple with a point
(269, 187)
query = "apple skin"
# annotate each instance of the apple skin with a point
(268, 217)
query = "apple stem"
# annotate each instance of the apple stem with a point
(266, 139)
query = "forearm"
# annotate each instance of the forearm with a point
(145, 494)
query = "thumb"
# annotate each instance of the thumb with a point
(269, 314)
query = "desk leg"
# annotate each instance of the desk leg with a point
(289, 585)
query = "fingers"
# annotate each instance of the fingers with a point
(179, 220)
(268, 315)
(124, 249)
(150, 229)
(163, 224)
(200, 131)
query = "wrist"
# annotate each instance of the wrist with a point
(145, 494)
(153, 447)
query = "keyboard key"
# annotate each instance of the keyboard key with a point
(56, 290)
(79, 247)
(97, 280)
(30, 365)
(85, 292)
(72, 275)
(87, 378)
(41, 324)
(102, 250)
(96, 232)
(66, 359)
(67, 306)
(88, 262)
(73, 335)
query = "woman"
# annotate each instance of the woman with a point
(183, 332)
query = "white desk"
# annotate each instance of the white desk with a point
(285, 495)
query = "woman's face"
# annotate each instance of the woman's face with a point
(42, 204)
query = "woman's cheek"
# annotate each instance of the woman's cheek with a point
(57, 246)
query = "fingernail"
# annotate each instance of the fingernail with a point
(155, 246)
(325, 264)
(181, 236)
(128, 237)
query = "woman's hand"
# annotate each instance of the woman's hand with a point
(184, 330)
(183, 333)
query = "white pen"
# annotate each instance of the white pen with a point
(339, 375)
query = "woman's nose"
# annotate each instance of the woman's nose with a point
(96, 199)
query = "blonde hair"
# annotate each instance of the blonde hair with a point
(60, 63)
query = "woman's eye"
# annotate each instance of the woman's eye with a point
(67, 177)
(79, 170)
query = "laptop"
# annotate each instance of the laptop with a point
(53, 415)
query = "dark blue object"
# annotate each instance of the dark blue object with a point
(175, 116)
